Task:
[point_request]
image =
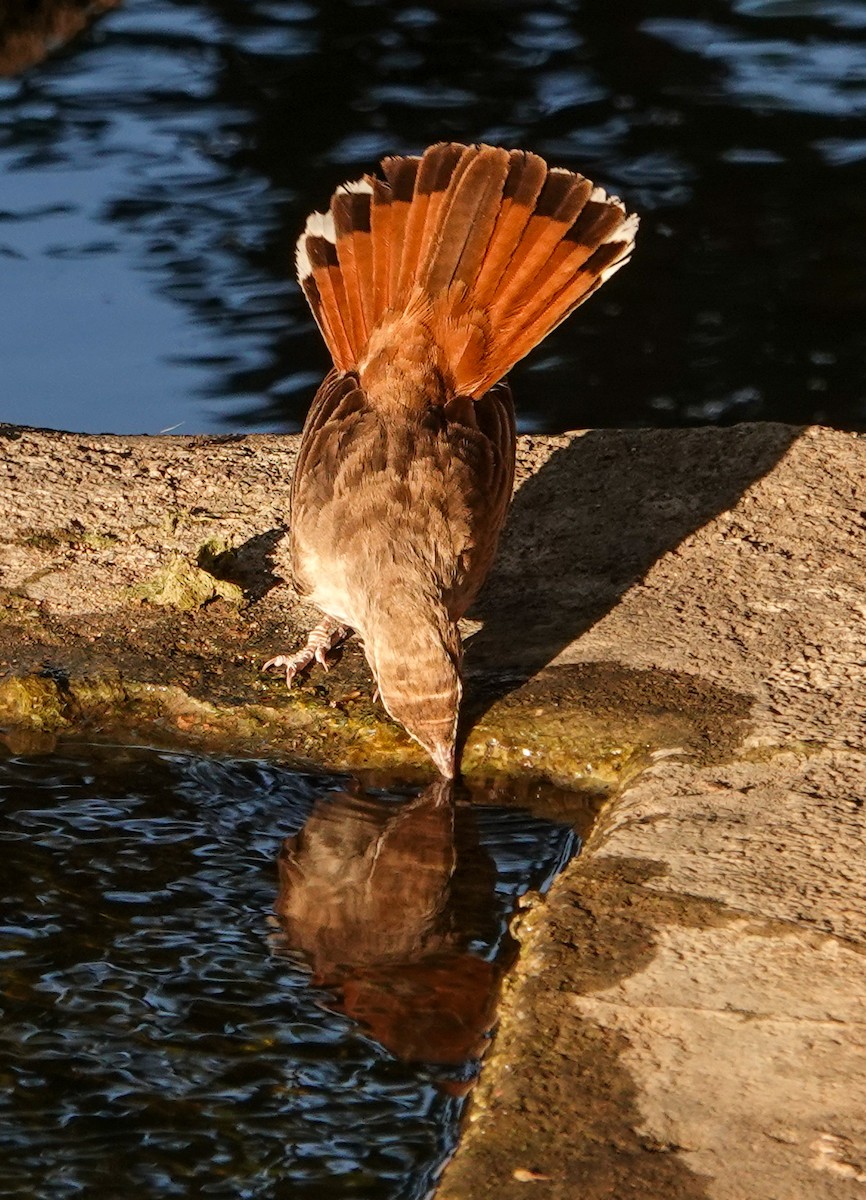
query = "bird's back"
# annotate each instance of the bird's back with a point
(379, 505)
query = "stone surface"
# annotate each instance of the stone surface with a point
(676, 617)
(688, 1015)
(143, 582)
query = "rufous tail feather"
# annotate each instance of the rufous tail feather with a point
(489, 248)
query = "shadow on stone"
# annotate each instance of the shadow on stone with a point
(589, 525)
(250, 565)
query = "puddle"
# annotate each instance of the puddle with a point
(225, 978)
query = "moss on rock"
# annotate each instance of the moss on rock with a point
(555, 728)
(179, 584)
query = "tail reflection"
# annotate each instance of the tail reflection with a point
(385, 899)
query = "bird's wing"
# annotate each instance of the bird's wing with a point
(429, 496)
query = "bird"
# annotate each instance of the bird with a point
(428, 282)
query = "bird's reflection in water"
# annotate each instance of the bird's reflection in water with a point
(391, 902)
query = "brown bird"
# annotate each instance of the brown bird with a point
(428, 286)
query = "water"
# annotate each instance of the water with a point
(227, 979)
(154, 175)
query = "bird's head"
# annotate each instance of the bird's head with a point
(415, 655)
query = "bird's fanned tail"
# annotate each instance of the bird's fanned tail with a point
(490, 248)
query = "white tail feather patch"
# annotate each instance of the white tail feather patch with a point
(624, 232)
(613, 267)
(599, 196)
(303, 266)
(321, 225)
(318, 225)
(358, 186)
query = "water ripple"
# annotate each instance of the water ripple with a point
(210, 986)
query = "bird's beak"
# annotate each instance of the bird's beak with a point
(442, 754)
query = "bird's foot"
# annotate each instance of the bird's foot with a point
(322, 640)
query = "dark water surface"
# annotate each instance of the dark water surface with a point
(224, 978)
(155, 173)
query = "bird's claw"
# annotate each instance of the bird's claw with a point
(321, 643)
(293, 664)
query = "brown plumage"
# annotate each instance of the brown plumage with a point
(428, 286)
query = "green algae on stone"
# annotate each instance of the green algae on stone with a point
(74, 535)
(588, 726)
(179, 584)
(93, 696)
(31, 702)
(15, 608)
(601, 723)
(51, 702)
